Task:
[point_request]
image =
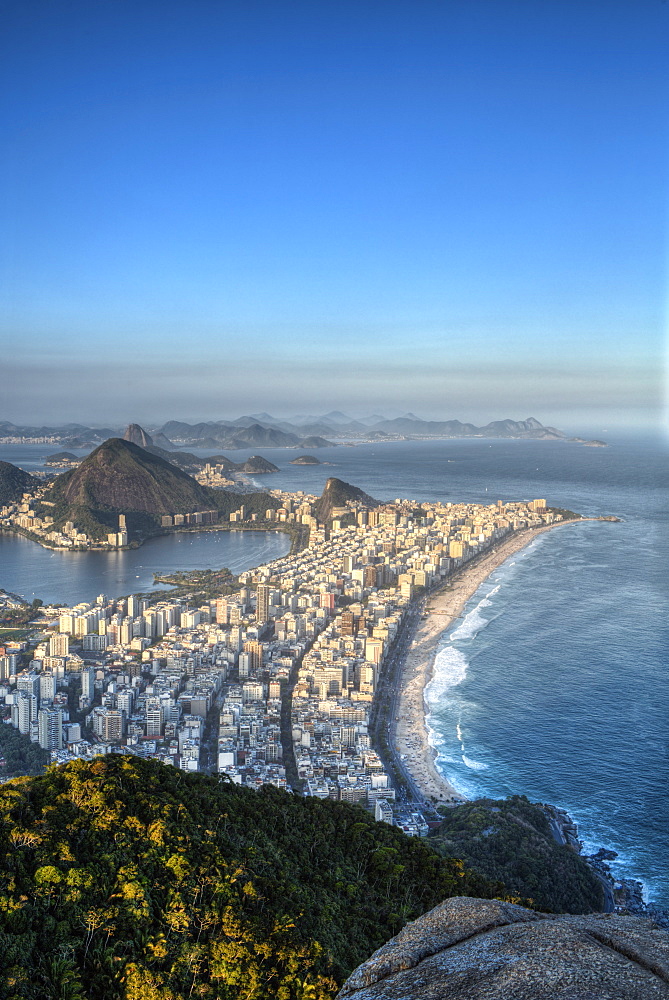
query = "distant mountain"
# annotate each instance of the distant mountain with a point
(74, 435)
(306, 460)
(336, 417)
(237, 435)
(14, 482)
(411, 426)
(137, 435)
(314, 441)
(308, 431)
(337, 493)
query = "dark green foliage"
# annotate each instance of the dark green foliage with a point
(511, 840)
(14, 482)
(129, 879)
(19, 755)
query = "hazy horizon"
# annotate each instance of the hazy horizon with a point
(456, 208)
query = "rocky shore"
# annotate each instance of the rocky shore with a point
(624, 895)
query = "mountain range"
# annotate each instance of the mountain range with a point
(300, 431)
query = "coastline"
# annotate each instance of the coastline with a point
(409, 731)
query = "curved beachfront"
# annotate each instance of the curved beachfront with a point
(442, 608)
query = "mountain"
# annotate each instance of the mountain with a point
(14, 482)
(137, 435)
(245, 432)
(61, 456)
(264, 430)
(314, 441)
(336, 493)
(412, 426)
(128, 879)
(119, 475)
(267, 437)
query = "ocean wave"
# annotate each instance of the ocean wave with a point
(473, 765)
(471, 625)
(450, 669)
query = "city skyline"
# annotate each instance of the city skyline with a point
(455, 209)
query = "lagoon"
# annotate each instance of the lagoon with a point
(61, 577)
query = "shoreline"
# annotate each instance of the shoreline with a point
(409, 732)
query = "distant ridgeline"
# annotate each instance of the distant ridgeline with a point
(124, 878)
(265, 431)
(120, 477)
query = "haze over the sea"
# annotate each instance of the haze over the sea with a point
(457, 209)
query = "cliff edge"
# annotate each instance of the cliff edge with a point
(476, 949)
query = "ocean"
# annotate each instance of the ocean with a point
(555, 682)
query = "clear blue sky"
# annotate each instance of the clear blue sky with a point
(457, 208)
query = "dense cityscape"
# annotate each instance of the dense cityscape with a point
(272, 683)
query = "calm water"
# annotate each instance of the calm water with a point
(69, 577)
(556, 683)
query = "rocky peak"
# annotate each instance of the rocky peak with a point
(137, 435)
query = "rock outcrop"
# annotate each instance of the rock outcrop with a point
(477, 949)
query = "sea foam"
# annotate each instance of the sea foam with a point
(473, 765)
(450, 669)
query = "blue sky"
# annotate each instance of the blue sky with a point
(457, 208)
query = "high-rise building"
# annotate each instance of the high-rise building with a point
(59, 644)
(8, 665)
(24, 711)
(88, 683)
(154, 719)
(255, 650)
(28, 681)
(112, 725)
(263, 601)
(50, 728)
(47, 686)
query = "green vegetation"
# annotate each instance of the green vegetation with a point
(16, 617)
(129, 879)
(14, 482)
(511, 840)
(18, 756)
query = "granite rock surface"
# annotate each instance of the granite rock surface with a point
(479, 949)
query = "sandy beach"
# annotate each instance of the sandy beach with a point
(410, 735)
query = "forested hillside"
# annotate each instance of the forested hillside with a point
(510, 840)
(129, 879)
